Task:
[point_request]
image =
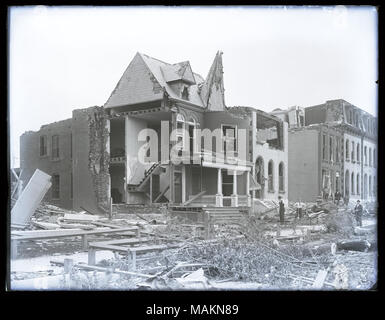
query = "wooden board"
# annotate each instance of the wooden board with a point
(51, 234)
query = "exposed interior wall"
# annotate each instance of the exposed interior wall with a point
(135, 169)
(303, 163)
(315, 114)
(91, 159)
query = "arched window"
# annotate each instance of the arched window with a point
(358, 152)
(352, 183)
(281, 177)
(347, 178)
(358, 183)
(347, 150)
(270, 173)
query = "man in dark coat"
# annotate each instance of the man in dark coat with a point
(358, 209)
(281, 210)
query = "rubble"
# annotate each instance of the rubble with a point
(332, 254)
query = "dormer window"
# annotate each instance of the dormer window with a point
(185, 93)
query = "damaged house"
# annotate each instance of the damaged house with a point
(337, 148)
(95, 161)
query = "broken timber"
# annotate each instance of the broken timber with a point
(30, 199)
(53, 234)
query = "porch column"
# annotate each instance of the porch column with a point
(248, 188)
(234, 196)
(219, 196)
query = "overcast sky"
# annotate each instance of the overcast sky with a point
(65, 58)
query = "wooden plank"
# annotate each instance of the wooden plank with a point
(122, 241)
(112, 226)
(320, 279)
(194, 197)
(30, 198)
(51, 234)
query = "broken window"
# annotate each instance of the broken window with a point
(281, 177)
(269, 130)
(43, 146)
(55, 147)
(55, 186)
(185, 94)
(270, 171)
(229, 136)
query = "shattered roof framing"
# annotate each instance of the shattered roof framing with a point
(147, 79)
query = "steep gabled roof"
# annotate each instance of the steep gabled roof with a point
(212, 90)
(148, 79)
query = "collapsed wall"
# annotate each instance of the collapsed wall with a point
(91, 130)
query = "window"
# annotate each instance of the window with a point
(180, 125)
(353, 149)
(71, 145)
(72, 186)
(374, 158)
(358, 183)
(227, 183)
(55, 186)
(270, 170)
(229, 134)
(370, 157)
(330, 148)
(185, 93)
(55, 147)
(366, 155)
(43, 146)
(370, 186)
(358, 152)
(281, 177)
(337, 150)
(352, 183)
(324, 157)
(347, 150)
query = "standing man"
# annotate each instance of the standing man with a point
(358, 213)
(281, 210)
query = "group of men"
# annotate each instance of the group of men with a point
(358, 211)
(300, 208)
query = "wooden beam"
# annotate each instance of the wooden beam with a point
(161, 194)
(193, 198)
